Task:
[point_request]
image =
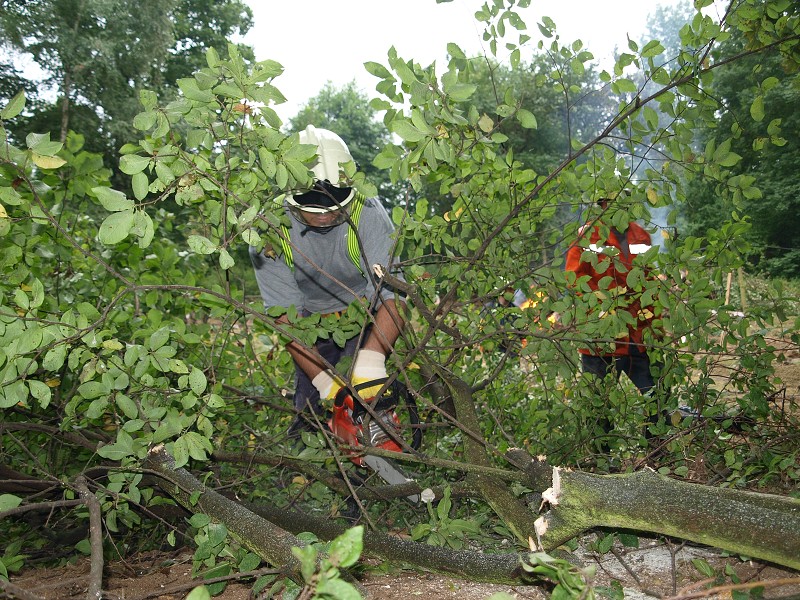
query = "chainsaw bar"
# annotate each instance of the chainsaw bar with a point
(389, 472)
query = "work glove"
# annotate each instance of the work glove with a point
(327, 384)
(369, 367)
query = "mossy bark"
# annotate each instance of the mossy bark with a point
(514, 513)
(473, 566)
(762, 526)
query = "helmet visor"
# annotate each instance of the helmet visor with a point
(323, 206)
(319, 217)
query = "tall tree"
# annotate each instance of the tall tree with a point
(99, 53)
(758, 97)
(135, 343)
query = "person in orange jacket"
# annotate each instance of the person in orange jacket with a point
(606, 255)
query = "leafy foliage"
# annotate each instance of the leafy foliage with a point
(129, 319)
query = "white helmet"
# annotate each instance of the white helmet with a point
(328, 193)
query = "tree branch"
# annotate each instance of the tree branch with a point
(95, 587)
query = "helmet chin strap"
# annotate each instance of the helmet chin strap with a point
(322, 230)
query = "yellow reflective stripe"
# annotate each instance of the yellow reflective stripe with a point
(353, 248)
(285, 247)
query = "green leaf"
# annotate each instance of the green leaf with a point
(120, 449)
(730, 159)
(407, 131)
(757, 108)
(144, 120)
(198, 446)
(40, 143)
(199, 593)
(116, 227)
(127, 406)
(197, 381)
(47, 162)
(130, 164)
(527, 119)
(201, 244)
(9, 501)
(605, 544)
(93, 389)
(346, 549)
(625, 86)
(190, 89)
(460, 92)
(140, 185)
(702, 566)
(54, 359)
(148, 99)
(143, 228)
(112, 199)
(249, 562)
(180, 452)
(13, 393)
(652, 48)
(378, 70)
(158, 338)
(337, 588)
(40, 391)
(30, 339)
(14, 106)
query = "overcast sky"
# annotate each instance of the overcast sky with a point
(318, 41)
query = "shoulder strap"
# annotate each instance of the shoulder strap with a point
(353, 247)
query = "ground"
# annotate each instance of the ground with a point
(655, 569)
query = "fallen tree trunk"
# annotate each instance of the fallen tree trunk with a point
(472, 566)
(762, 526)
(271, 543)
(758, 525)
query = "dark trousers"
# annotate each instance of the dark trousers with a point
(636, 366)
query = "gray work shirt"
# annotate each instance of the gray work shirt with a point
(324, 278)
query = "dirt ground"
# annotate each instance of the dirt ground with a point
(654, 570)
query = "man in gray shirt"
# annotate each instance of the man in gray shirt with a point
(325, 266)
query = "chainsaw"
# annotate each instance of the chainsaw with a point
(355, 426)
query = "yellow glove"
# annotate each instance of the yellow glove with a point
(369, 366)
(327, 384)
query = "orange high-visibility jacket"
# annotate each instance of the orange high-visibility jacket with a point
(637, 241)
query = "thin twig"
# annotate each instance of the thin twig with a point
(17, 592)
(40, 506)
(726, 589)
(179, 587)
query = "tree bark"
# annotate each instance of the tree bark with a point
(762, 526)
(94, 591)
(473, 566)
(496, 492)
